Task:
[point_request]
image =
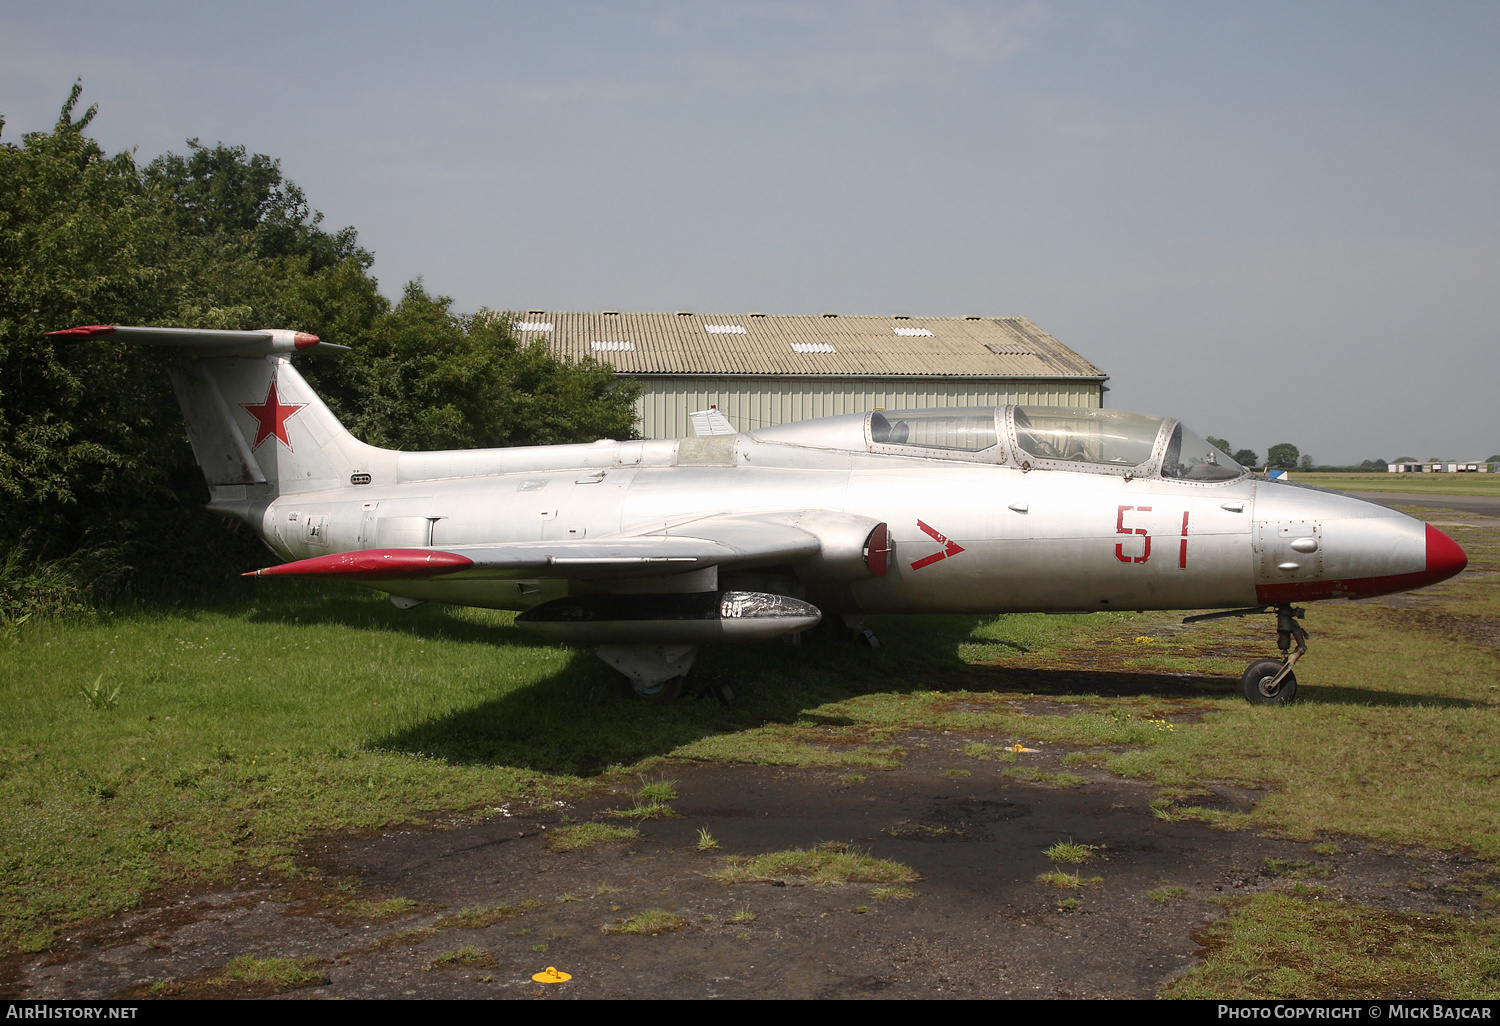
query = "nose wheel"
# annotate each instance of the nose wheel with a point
(1271, 681)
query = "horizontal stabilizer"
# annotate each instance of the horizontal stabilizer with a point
(205, 341)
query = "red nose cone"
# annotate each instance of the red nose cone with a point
(1444, 557)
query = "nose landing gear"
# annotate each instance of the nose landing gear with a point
(1270, 681)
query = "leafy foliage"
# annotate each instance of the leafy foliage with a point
(1283, 456)
(94, 461)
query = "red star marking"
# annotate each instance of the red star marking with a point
(950, 548)
(271, 417)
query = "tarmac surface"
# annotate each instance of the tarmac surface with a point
(978, 922)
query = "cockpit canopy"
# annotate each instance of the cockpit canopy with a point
(1041, 437)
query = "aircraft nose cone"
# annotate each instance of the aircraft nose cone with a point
(1444, 557)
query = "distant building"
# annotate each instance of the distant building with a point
(1441, 467)
(760, 369)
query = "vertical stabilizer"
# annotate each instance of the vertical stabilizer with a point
(257, 428)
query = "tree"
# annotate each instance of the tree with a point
(1247, 458)
(1306, 463)
(427, 378)
(1494, 459)
(1219, 443)
(1376, 464)
(93, 456)
(1282, 456)
(1406, 459)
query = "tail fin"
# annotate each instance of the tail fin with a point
(256, 426)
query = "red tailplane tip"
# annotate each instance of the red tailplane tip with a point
(85, 330)
(303, 340)
(373, 565)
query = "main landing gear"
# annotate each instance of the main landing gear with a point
(1271, 681)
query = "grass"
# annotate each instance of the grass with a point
(1036, 776)
(1415, 485)
(477, 918)
(657, 791)
(283, 973)
(1071, 853)
(244, 727)
(830, 865)
(888, 893)
(744, 915)
(1166, 895)
(650, 924)
(706, 841)
(466, 957)
(1277, 945)
(378, 909)
(1066, 881)
(583, 836)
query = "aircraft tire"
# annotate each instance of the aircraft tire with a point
(666, 691)
(1260, 674)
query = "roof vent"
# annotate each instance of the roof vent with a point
(971, 317)
(923, 332)
(533, 325)
(725, 329)
(827, 314)
(901, 317)
(814, 347)
(612, 347)
(610, 313)
(536, 311)
(1011, 350)
(684, 313)
(757, 315)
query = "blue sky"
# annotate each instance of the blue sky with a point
(1275, 220)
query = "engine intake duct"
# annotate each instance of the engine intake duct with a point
(695, 618)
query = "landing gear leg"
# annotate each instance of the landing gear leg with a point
(1268, 682)
(1271, 681)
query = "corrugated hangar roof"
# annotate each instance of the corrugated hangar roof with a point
(829, 345)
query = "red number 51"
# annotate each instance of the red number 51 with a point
(1120, 528)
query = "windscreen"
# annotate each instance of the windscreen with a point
(970, 430)
(1190, 458)
(1086, 436)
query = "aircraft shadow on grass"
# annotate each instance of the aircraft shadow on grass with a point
(577, 722)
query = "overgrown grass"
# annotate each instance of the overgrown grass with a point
(1071, 852)
(651, 923)
(583, 836)
(1280, 946)
(830, 865)
(278, 972)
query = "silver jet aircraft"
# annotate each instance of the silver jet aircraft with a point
(649, 549)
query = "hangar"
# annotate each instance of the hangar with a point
(761, 369)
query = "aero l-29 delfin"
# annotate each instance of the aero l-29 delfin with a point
(649, 549)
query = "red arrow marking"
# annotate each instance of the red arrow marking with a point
(950, 548)
(271, 417)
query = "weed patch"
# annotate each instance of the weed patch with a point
(825, 866)
(583, 836)
(650, 924)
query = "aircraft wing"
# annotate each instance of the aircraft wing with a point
(830, 540)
